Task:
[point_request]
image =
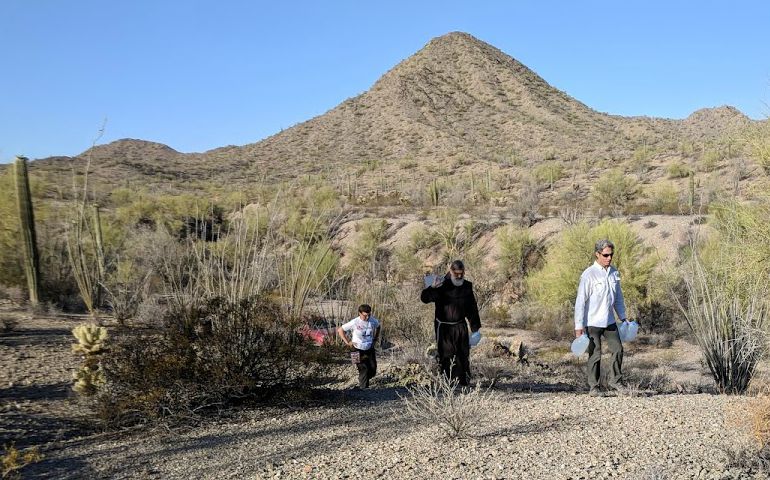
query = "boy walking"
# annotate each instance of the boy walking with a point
(365, 331)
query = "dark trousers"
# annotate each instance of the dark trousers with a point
(367, 368)
(610, 334)
(454, 351)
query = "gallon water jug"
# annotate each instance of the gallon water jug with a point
(628, 331)
(475, 338)
(580, 345)
(623, 331)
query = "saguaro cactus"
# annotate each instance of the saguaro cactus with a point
(27, 229)
(435, 192)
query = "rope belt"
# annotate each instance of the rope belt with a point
(439, 323)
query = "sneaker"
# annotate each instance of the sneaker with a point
(595, 392)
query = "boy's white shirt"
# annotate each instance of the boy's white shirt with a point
(363, 331)
(599, 297)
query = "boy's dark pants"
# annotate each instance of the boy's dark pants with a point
(610, 334)
(367, 368)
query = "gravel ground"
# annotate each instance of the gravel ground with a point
(368, 435)
(551, 433)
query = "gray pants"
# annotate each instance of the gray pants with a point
(595, 334)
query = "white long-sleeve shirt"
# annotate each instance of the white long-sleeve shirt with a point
(598, 297)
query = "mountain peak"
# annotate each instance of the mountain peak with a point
(126, 146)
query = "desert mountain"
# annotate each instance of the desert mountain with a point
(457, 102)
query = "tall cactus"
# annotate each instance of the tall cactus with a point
(27, 228)
(435, 192)
(691, 196)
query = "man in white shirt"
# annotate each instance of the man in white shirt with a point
(599, 298)
(365, 333)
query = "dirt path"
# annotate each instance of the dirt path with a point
(528, 427)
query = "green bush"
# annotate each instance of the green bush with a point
(549, 173)
(366, 254)
(555, 285)
(678, 170)
(711, 159)
(758, 139)
(664, 199)
(516, 248)
(613, 192)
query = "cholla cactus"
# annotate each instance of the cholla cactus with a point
(90, 338)
(88, 380)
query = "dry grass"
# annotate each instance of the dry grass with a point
(453, 409)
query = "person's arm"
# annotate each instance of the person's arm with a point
(346, 327)
(341, 334)
(431, 293)
(376, 335)
(620, 304)
(473, 312)
(580, 305)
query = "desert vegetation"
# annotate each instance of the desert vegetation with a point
(199, 293)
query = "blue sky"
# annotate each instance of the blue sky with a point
(197, 75)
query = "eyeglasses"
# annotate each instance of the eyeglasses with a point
(605, 255)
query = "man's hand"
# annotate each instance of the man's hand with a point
(578, 332)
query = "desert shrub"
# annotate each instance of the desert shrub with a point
(664, 199)
(405, 263)
(423, 238)
(13, 460)
(228, 354)
(710, 160)
(549, 173)
(518, 251)
(555, 285)
(758, 139)
(678, 170)
(726, 303)
(640, 162)
(743, 234)
(497, 316)
(729, 322)
(613, 192)
(444, 404)
(552, 323)
(366, 254)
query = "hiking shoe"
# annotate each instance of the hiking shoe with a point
(595, 392)
(620, 389)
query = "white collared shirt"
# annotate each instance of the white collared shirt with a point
(598, 297)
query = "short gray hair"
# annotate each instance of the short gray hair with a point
(602, 244)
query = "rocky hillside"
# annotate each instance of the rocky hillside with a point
(456, 105)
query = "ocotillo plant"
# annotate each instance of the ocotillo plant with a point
(98, 241)
(27, 228)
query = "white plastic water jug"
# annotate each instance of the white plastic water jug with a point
(623, 330)
(580, 345)
(475, 338)
(628, 331)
